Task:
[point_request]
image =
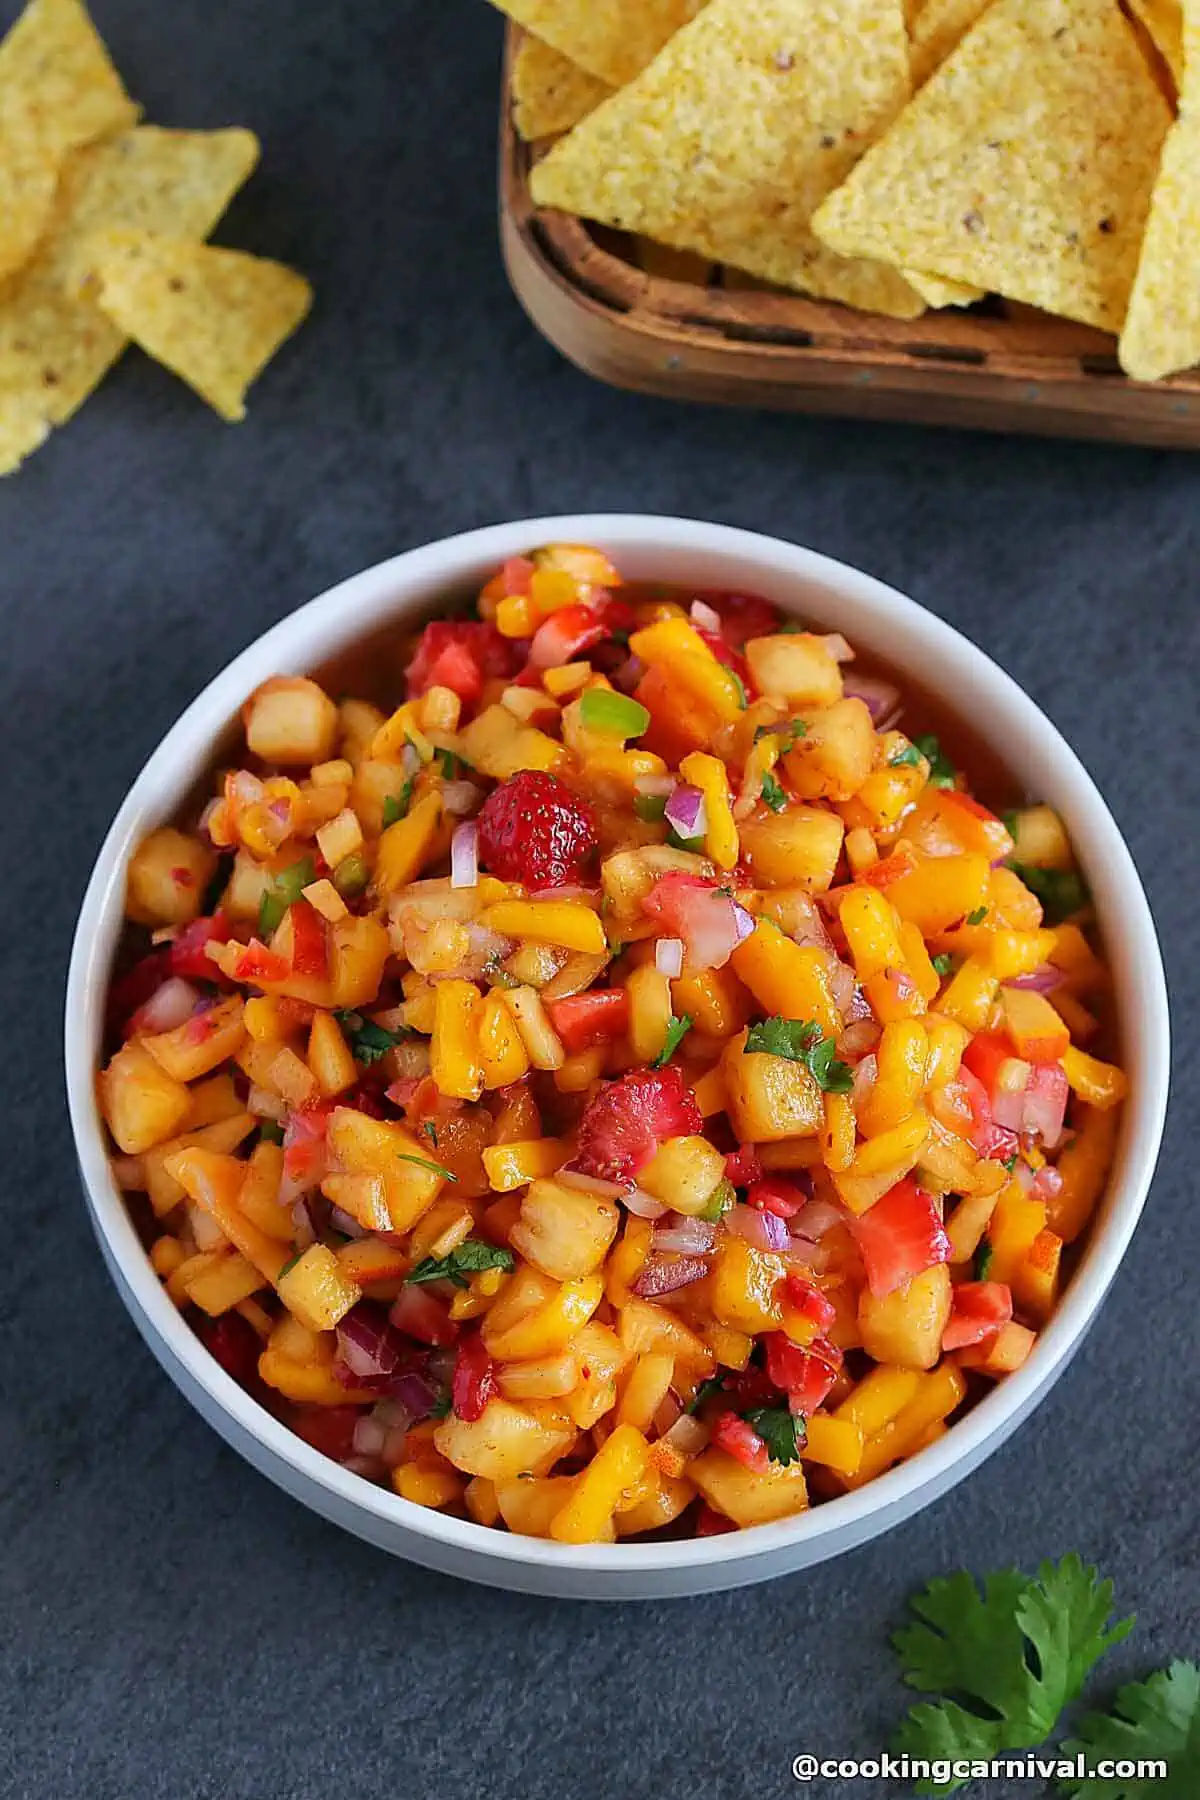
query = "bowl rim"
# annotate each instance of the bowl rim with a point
(333, 620)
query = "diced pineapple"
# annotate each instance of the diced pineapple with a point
(376, 781)
(550, 1326)
(906, 1326)
(141, 1103)
(368, 1146)
(316, 1290)
(496, 744)
(795, 848)
(645, 1389)
(797, 667)
(769, 1097)
(223, 1135)
(834, 756)
(746, 1286)
(340, 838)
(167, 876)
(518, 1161)
(684, 1173)
(743, 1495)
(359, 949)
(541, 1378)
(289, 719)
(201, 1044)
(362, 1196)
(507, 1441)
(528, 1505)
(1041, 839)
(564, 1231)
(601, 1356)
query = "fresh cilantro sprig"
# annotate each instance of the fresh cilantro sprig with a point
(715, 1384)
(677, 1030)
(426, 1162)
(472, 1257)
(1061, 891)
(368, 1041)
(780, 1431)
(1156, 1720)
(802, 1041)
(773, 792)
(1012, 1656)
(942, 772)
(909, 757)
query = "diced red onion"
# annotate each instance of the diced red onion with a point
(366, 1466)
(245, 789)
(881, 698)
(764, 1230)
(670, 1408)
(629, 674)
(838, 647)
(369, 1436)
(265, 1105)
(418, 1395)
(410, 759)
(592, 1184)
(170, 1006)
(859, 1038)
(460, 798)
(668, 957)
(301, 1220)
(1043, 979)
(654, 784)
(812, 1221)
(705, 618)
(464, 856)
(866, 1074)
(743, 921)
(366, 1343)
(687, 1435)
(645, 1206)
(843, 983)
(686, 812)
(345, 1223)
(1008, 1093)
(858, 1009)
(690, 1237)
(661, 1274)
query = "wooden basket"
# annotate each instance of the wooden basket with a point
(994, 367)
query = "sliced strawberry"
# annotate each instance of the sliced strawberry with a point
(534, 830)
(741, 1441)
(597, 1017)
(474, 1380)
(775, 1195)
(899, 1237)
(979, 1309)
(186, 950)
(809, 1301)
(623, 1126)
(459, 654)
(743, 1166)
(329, 1429)
(310, 945)
(743, 616)
(710, 1523)
(235, 1344)
(130, 992)
(805, 1375)
(421, 1315)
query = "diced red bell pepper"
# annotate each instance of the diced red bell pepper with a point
(582, 1020)
(310, 943)
(329, 1429)
(979, 1309)
(421, 1315)
(985, 1055)
(186, 951)
(474, 1381)
(775, 1195)
(899, 1237)
(710, 1523)
(809, 1300)
(130, 992)
(743, 1166)
(258, 964)
(741, 1441)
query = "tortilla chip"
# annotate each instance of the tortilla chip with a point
(550, 93)
(1025, 165)
(213, 317)
(939, 28)
(738, 129)
(1162, 329)
(937, 292)
(1163, 20)
(612, 39)
(54, 346)
(58, 90)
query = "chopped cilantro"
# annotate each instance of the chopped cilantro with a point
(650, 807)
(677, 1030)
(983, 1260)
(452, 765)
(802, 1041)
(777, 1427)
(430, 1130)
(368, 1041)
(1061, 891)
(942, 772)
(291, 1262)
(909, 757)
(284, 890)
(944, 963)
(978, 916)
(472, 1257)
(714, 1385)
(395, 807)
(741, 688)
(1010, 1162)
(773, 793)
(1006, 1661)
(423, 1162)
(270, 1131)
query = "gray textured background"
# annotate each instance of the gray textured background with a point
(172, 1626)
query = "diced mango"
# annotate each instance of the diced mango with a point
(1083, 1166)
(502, 1055)
(746, 1286)
(786, 978)
(405, 847)
(568, 923)
(769, 1097)
(549, 1326)
(455, 1060)
(1097, 1083)
(564, 1231)
(142, 1104)
(746, 1497)
(905, 1327)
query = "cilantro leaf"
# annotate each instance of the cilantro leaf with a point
(270, 1131)
(291, 1262)
(777, 1427)
(452, 765)
(978, 916)
(772, 792)
(741, 688)
(943, 963)
(804, 1042)
(983, 1260)
(942, 772)
(677, 1030)
(909, 757)
(714, 1385)
(472, 1257)
(424, 1162)
(395, 807)
(1061, 891)
(430, 1130)
(978, 1647)
(1156, 1719)
(368, 1041)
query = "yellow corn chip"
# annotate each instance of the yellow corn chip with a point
(54, 346)
(214, 317)
(737, 130)
(1163, 20)
(937, 292)
(550, 93)
(937, 29)
(58, 90)
(1162, 330)
(1025, 165)
(611, 39)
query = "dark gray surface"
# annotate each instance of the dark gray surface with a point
(172, 1625)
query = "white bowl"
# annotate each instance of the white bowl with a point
(874, 617)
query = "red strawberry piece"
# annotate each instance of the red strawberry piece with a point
(775, 1195)
(235, 1344)
(459, 654)
(805, 1375)
(743, 616)
(710, 1523)
(899, 1237)
(329, 1429)
(571, 630)
(533, 829)
(741, 1441)
(743, 1166)
(980, 1308)
(810, 1301)
(186, 952)
(130, 992)
(623, 1126)
(474, 1381)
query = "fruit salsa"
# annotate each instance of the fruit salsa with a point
(632, 1086)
